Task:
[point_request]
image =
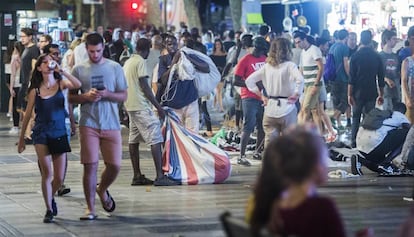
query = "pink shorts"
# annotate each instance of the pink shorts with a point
(109, 142)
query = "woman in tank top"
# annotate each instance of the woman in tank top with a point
(49, 132)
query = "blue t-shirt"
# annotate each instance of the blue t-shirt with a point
(340, 51)
(103, 114)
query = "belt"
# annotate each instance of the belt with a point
(277, 98)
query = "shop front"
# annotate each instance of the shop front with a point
(376, 15)
(12, 13)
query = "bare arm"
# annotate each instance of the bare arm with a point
(72, 82)
(143, 83)
(404, 85)
(346, 65)
(13, 76)
(319, 63)
(351, 100)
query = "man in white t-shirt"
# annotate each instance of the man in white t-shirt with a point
(311, 65)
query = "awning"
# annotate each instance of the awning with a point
(17, 5)
(254, 18)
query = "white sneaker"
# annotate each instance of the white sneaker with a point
(14, 130)
(8, 115)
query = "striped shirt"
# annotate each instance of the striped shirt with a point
(308, 64)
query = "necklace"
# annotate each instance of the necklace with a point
(47, 85)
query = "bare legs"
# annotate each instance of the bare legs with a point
(49, 185)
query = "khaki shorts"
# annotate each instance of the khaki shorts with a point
(310, 101)
(145, 127)
(109, 142)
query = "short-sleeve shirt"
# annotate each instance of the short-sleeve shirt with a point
(391, 70)
(28, 55)
(308, 64)
(103, 114)
(246, 66)
(340, 51)
(134, 68)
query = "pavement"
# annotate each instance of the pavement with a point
(366, 201)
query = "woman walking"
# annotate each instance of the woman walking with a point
(49, 132)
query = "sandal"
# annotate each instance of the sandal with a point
(108, 201)
(88, 217)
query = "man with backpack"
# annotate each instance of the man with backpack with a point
(379, 145)
(339, 51)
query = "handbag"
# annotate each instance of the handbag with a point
(58, 145)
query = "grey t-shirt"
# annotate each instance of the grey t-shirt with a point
(103, 114)
(391, 64)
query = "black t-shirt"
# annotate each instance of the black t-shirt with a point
(365, 69)
(28, 55)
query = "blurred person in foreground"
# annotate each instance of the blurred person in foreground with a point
(285, 197)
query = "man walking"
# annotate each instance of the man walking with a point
(28, 59)
(103, 87)
(340, 52)
(311, 66)
(366, 69)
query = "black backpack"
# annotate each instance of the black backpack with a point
(375, 118)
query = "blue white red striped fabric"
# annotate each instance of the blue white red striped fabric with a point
(189, 158)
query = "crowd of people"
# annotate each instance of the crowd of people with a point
(275, 82)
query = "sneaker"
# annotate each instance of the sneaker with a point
(385, 170)
(63, 190)
(356, 165)
(165, 181)
(48, 217)
(243, 161)
(54, 208)
(14, 130)
(8, 115)
(141, 180)
(257, 156)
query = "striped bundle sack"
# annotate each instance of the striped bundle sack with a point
(189, 158)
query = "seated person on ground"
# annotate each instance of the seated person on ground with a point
(378, 147)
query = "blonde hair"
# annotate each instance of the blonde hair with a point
(280, 51)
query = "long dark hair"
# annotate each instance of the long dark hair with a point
(37, 77)
(288, 159)
(223, 50)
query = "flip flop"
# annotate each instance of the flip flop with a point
(88, 217)
(104, 203)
